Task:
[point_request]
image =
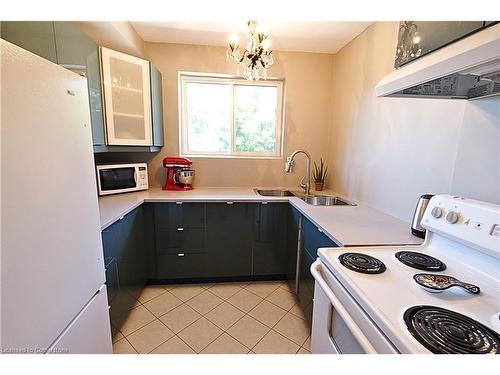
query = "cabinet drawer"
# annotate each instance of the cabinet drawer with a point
(314, 239)
(185, 215)
(190, 265)
(175, 240)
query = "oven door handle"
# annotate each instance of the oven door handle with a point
(337, 305)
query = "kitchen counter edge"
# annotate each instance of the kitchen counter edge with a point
(345, 225)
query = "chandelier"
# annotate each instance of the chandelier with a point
(408, 43)
(257, 56)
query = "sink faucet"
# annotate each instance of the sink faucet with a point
(306, 185)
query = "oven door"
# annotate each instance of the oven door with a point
(114, 180)
(339, 325)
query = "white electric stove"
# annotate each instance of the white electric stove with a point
(367, 301)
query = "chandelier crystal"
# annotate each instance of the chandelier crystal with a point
(256, 58)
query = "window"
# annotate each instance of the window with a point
(229, 117)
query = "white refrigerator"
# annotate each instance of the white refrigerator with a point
(53, 293)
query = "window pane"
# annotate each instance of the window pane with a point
(208, 117)
(255, 118)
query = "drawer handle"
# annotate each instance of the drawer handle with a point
(178, 202)
(229, 202)
(320, 230)
(180, 229)
(180, 254)
(263, 202)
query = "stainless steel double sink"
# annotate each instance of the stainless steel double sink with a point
(314, 200)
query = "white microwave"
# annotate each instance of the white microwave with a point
(121, 178)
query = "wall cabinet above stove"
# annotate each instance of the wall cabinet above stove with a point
(419, 38)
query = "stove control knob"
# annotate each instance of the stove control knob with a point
(437, 212)
(452, 217)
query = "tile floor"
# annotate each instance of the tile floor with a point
(227, 318)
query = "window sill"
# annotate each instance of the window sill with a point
(201, 156)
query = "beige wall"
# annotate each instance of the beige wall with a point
(307, 113)
(385, 152)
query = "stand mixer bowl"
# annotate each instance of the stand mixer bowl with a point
(185, 177)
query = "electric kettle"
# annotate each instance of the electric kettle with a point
(416, 228)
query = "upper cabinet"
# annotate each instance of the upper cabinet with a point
(36, 37)
(418, 38)
(73, 47)
(127, 99)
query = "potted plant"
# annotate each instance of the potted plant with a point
(319, 175)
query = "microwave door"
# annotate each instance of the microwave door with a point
(114, 179)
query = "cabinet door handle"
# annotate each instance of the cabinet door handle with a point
(320, 230)
(180, 229)
(180, 254)
(229, 202)
(178, 202)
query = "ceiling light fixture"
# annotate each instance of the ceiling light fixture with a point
(256, 58)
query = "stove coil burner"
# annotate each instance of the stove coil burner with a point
(361, 263)
(420, 261)
(447, 332)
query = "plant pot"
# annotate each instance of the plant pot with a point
(318, 186)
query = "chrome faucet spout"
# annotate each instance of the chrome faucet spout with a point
(289, 166)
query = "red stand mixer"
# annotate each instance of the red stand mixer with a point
(179, 174)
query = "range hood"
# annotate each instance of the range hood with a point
(466, 69)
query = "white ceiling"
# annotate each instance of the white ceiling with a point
(324, 37)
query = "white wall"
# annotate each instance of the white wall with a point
(386, 152)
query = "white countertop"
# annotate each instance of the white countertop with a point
(345, 225)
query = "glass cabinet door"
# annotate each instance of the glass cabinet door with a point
(127, 98)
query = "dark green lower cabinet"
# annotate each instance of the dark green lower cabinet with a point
(306, 284)
(313, 239)
(171, 241)
(123, 244)
(126, 260)
(292, 238)
(179, 215)
(219, 240)
(229, 239)
(270, 239)
(184, 266)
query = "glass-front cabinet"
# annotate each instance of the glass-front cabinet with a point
(127, 98)
(418, 38)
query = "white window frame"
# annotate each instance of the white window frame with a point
(191, 77)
